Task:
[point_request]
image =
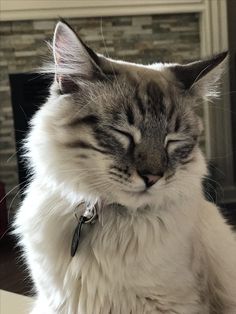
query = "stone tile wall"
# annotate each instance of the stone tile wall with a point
(145, 39)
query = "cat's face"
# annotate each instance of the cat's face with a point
(123, 132)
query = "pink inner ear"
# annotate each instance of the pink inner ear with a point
(60, 47)
(71, 57)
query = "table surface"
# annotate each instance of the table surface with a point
(11, 303)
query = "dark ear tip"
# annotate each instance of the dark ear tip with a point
(221, 56)
(226, 53)
(192, 72)
(63, 21)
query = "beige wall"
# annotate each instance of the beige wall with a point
(35, 9)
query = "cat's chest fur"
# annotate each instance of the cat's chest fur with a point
(134, 264)
(141, 263)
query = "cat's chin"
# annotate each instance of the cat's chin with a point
(143, 194)
(132, 199)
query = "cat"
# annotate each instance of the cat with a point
(114, 219)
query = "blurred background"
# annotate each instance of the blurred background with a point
(137, 31)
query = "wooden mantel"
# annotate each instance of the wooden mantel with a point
(43, 9)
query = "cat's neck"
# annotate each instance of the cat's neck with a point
(70, 202)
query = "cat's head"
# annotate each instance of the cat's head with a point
(124, 132)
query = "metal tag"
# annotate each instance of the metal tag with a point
(76, 236)
(89, 217)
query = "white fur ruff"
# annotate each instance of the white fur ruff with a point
(128, 263)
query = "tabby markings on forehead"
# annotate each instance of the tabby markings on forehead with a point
(139, 103)
(177, 123)
(171, 112)
(130, 115)
(155, 101)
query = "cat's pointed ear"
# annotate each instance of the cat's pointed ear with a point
(73, 59)
(201, 77)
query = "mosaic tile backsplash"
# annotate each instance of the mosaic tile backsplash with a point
(145, 39)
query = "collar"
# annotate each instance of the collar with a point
(89, 216)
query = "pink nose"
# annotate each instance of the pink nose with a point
(150, 179)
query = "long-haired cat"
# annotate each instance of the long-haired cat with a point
(114, 219)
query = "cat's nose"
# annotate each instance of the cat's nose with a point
(150, 179)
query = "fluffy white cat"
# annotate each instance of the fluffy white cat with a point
(122, 139)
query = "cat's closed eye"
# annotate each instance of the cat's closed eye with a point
(125, 137)
(184, 151)
(178, 147)
(171, 144)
